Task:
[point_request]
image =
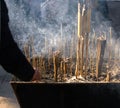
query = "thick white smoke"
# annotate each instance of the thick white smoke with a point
(39, 18)
(42, 19)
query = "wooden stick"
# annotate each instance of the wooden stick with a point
(88, 20)
(82, 55)
(110, 44)
(79, 21)
(46, 44)
(39, 66)
(108, 77)
(44, 65)
(77, 70)
(55, 68)
(108, 74)
(100, 54)
(65, 69)
(71, 55)
(86, 63)
(61, 70)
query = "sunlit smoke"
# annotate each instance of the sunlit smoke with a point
(51, 25)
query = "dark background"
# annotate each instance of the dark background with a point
(114, 14)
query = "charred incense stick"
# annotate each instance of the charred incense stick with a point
(101, 43)
(78, 59)
(81, 55)
(71, 55)
(93, 54)
(89, 20)
(77, 70)
(88, 29)
(39, 66)
(86, 63)
(110, 44)
(65, 69)
(61, 70)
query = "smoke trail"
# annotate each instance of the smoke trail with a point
(29, 18)
(43, 18)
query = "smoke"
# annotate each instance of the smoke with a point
(36, 19)
(54, 23)
(45, 19)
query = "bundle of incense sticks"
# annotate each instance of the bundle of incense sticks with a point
(76, 56)
(84, 20)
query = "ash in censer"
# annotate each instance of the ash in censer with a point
(68, 46)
